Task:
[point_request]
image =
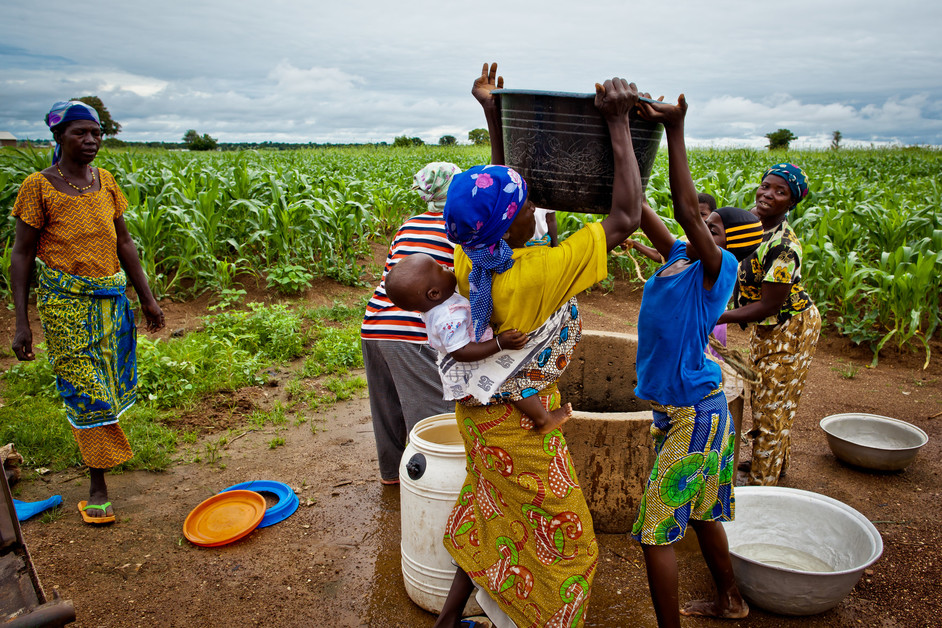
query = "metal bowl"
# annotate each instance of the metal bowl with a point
(559, 143)
(796, 552)
(872, 441)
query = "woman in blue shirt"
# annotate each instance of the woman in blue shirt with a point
(693, 434)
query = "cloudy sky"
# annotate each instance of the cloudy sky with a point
(370, 70)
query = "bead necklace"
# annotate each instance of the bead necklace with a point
(75, 186)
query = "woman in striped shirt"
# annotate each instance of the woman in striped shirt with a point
(401, 370)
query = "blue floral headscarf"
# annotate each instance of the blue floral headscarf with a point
(67, 111)
(794, 176)
(482, 203)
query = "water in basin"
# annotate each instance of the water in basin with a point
(781, 556)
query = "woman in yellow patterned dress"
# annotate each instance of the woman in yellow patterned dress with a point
(70, 216)
(787, 323)
(521, 530)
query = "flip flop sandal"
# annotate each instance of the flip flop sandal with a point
(83, 506)
(478, 621)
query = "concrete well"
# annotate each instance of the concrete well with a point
(609, 433)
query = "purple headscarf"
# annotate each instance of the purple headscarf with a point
(482, 203)
(67, 111)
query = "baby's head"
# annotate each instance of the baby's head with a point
(418, 283)
(707, 204)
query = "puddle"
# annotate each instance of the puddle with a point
(388, 604)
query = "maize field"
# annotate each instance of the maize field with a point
(871, 225)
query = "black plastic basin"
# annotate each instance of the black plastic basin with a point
(559, 143)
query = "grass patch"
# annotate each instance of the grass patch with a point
(335, 333)
(272, 331)
(847, 371)
(153, 442)
(231, 352)
(52, 515)
(278, 415)
(295, 390)
(32, 416)
(337, 312)
(344, 388)
(214, 451)
(335, 350)
(176, 373)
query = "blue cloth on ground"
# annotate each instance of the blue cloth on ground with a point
(25, 510)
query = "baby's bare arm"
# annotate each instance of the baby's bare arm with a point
(474, 351)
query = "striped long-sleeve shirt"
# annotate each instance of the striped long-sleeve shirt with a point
(424, 233)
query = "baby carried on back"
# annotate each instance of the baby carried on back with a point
(512, 367)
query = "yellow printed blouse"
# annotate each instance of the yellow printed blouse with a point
(77, 234)
(777, 260)
(542, 278)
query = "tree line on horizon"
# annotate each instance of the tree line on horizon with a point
(192, 140)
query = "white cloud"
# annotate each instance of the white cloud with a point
(315, 81)
(110, 83)
(742, 121)
(365, 70)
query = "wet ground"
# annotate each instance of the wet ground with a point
(336, 560)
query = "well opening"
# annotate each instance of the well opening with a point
(609, 433)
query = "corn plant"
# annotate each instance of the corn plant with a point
(870, 225)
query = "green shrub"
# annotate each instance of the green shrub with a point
(289, 278)
(272, 331)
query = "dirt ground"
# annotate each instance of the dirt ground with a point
(336, 560)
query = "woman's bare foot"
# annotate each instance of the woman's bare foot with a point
(554, 418)
(732, 609)
(98, 507)
(98, 496)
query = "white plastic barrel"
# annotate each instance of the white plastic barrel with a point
(431, 474)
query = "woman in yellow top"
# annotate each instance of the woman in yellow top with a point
(71, 216)
(521, 530)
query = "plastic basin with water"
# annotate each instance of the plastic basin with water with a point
(796, 552)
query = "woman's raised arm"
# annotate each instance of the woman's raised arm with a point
(482, 88)
(683, 191)
(614, 100)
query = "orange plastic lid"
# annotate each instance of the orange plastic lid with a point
(224, 518)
